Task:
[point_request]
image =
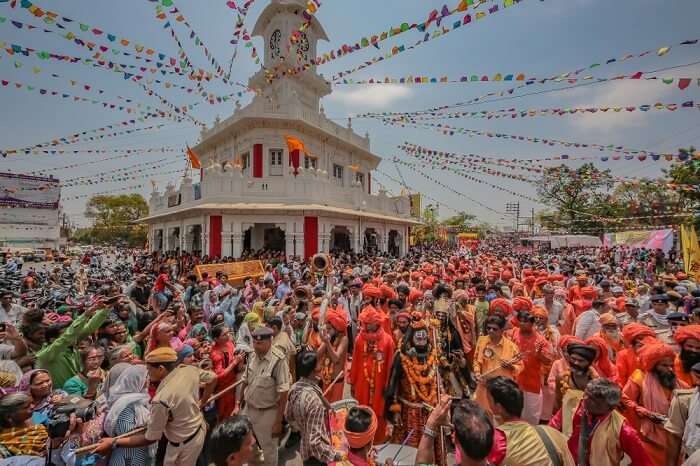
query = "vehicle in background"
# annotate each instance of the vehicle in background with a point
(40, 255)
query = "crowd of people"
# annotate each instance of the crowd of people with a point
(494, 356)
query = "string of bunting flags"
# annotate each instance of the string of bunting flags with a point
(82, 163)
(83, 135)
(426, 196)
(444, 30)
(373, 40)
(660, 52)
(523, 113)
(474, 166)
(75, 98)
(52, 17)
(180, 18)
(434, 157)
(683, 83)
(626, 181)
(242, 13)
(100, 49)
(135, 168)
(629, 154)
(104, 193)
(97, 179)
(312, 7)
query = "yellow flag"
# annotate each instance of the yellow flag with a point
(691, 251)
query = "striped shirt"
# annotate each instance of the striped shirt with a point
(307, 412)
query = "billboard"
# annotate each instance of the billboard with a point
(29, 192)
(649, 239)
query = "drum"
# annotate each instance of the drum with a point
(401, 456)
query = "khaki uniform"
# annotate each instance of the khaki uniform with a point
(265, 378)
(678, 414)
(175, 413)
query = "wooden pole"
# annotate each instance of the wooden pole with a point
(89, 448)
(218, 395)
(337, 377)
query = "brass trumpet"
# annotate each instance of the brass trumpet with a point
(321, 263)
(303, 293)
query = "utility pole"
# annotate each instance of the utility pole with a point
(513, 208)
(532, 223)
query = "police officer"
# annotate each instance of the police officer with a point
(266, 381)
(175, 410)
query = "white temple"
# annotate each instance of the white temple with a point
(255, 194)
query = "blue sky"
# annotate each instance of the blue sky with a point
(537, 38)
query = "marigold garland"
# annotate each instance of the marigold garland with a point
(421, 377)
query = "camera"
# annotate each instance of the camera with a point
(59, 422)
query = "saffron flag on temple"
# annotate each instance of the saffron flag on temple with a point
(295, 144)
(691, 251)
(194, 160)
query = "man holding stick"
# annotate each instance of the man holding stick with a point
(175, 410)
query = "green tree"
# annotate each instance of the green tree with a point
(687, 172)
(460, 222)
(575, 195)
(427, 232)
(114, 219)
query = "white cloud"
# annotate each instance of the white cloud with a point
(371, 97)
(618, 94)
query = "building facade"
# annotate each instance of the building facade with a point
(256, 193)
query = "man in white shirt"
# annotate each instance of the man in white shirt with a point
(10, 311)
(554, 308)
(589, 321)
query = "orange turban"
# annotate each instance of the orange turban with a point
(633, 331)
(387, 292)
(607, 319)
(567, 340)
(541, 281)
(556, 278)
(413, 295)
(600, 345)
(539, 311)
(686, 332)
(358, 440)
(588, 292)
(521, 303)
(338, 319)
(529, 280)
(415, 275)
(652, 353)
(316, 313)
(506, 275)
(527, 272)
(371, 291)
(502, 304)
(370, 315)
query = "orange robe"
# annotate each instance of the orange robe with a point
(683, 376)
(369, 375)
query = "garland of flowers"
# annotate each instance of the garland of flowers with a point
(565, 386)
(421, 377)
(376, 368)
(328, 367)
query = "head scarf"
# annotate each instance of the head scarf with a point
(130, 389)
(585, 351)
(567, 340)
(25, 386)
(539, 311)
(184, 352)
(369, 315)
(588, 292)
(360, 439)
(338, 319)
(502, 304)
(112, 377)
(197, 329)
(252, 318)
(414, 294)
(652, 353)
(602, 360)
(686, 332)
(521, 303)
(259, 309)
(371, 291)
(634, 330)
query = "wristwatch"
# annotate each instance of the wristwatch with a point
(429, 432)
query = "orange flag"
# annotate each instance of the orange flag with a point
(295, 144)
(194, 160)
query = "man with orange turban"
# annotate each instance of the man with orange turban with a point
(602, 362)
(575, 291)
(610, 333)
(371, 359)
(500, 306)
(312, 335)
(333, 353)
(648, 393)
(359, 429)
(688, 339)
(627, 362)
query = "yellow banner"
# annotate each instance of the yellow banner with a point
(416, 207)
(237, 272)
(691, 251)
